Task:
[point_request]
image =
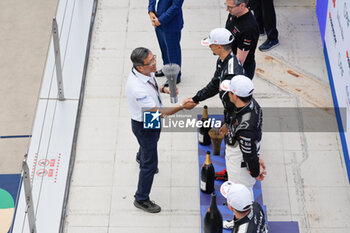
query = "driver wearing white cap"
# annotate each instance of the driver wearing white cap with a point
(227, 66)
(249, 217)
(243, 164)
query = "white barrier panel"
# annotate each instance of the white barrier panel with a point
(50, 151)
(337, 46)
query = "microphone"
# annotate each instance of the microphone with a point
(171, 71)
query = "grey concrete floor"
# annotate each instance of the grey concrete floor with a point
(306, 181)
(304, 169)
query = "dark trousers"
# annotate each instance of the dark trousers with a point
(265, 15)
(169, 43)
(148, 155)
(249, 69)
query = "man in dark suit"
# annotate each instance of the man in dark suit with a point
(166, 17)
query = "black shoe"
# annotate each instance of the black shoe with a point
(159, 73)
(268, 44)
(166, 84)
(148, 206)
(138, 161)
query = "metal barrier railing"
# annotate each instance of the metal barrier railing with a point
(28, 195)
(25, 169)
(56, 44)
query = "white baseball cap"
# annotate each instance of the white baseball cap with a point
(237, 195)
(218, 36)
(239, 85)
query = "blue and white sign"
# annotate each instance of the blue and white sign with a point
(334, 22)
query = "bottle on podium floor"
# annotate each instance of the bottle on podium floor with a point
(212, 222)
(207, 175)
(203, 137)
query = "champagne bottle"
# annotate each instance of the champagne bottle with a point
(212, 221)
(207, 175)
(203, 137)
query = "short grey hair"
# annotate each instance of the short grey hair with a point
(138, 56)
(239, 2)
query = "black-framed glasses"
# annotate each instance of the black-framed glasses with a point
(152, 61)
(230, 7)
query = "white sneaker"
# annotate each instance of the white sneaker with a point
(228, 224)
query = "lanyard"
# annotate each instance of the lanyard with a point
(154, 86)
(156, 89)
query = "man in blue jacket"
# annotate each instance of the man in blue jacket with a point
(166, 17)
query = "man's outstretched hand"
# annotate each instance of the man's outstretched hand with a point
(189, 104)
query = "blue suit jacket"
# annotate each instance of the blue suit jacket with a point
(169, 13)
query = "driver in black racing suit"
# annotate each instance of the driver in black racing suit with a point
(243, 164)
(227, 66)
(249, 217)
